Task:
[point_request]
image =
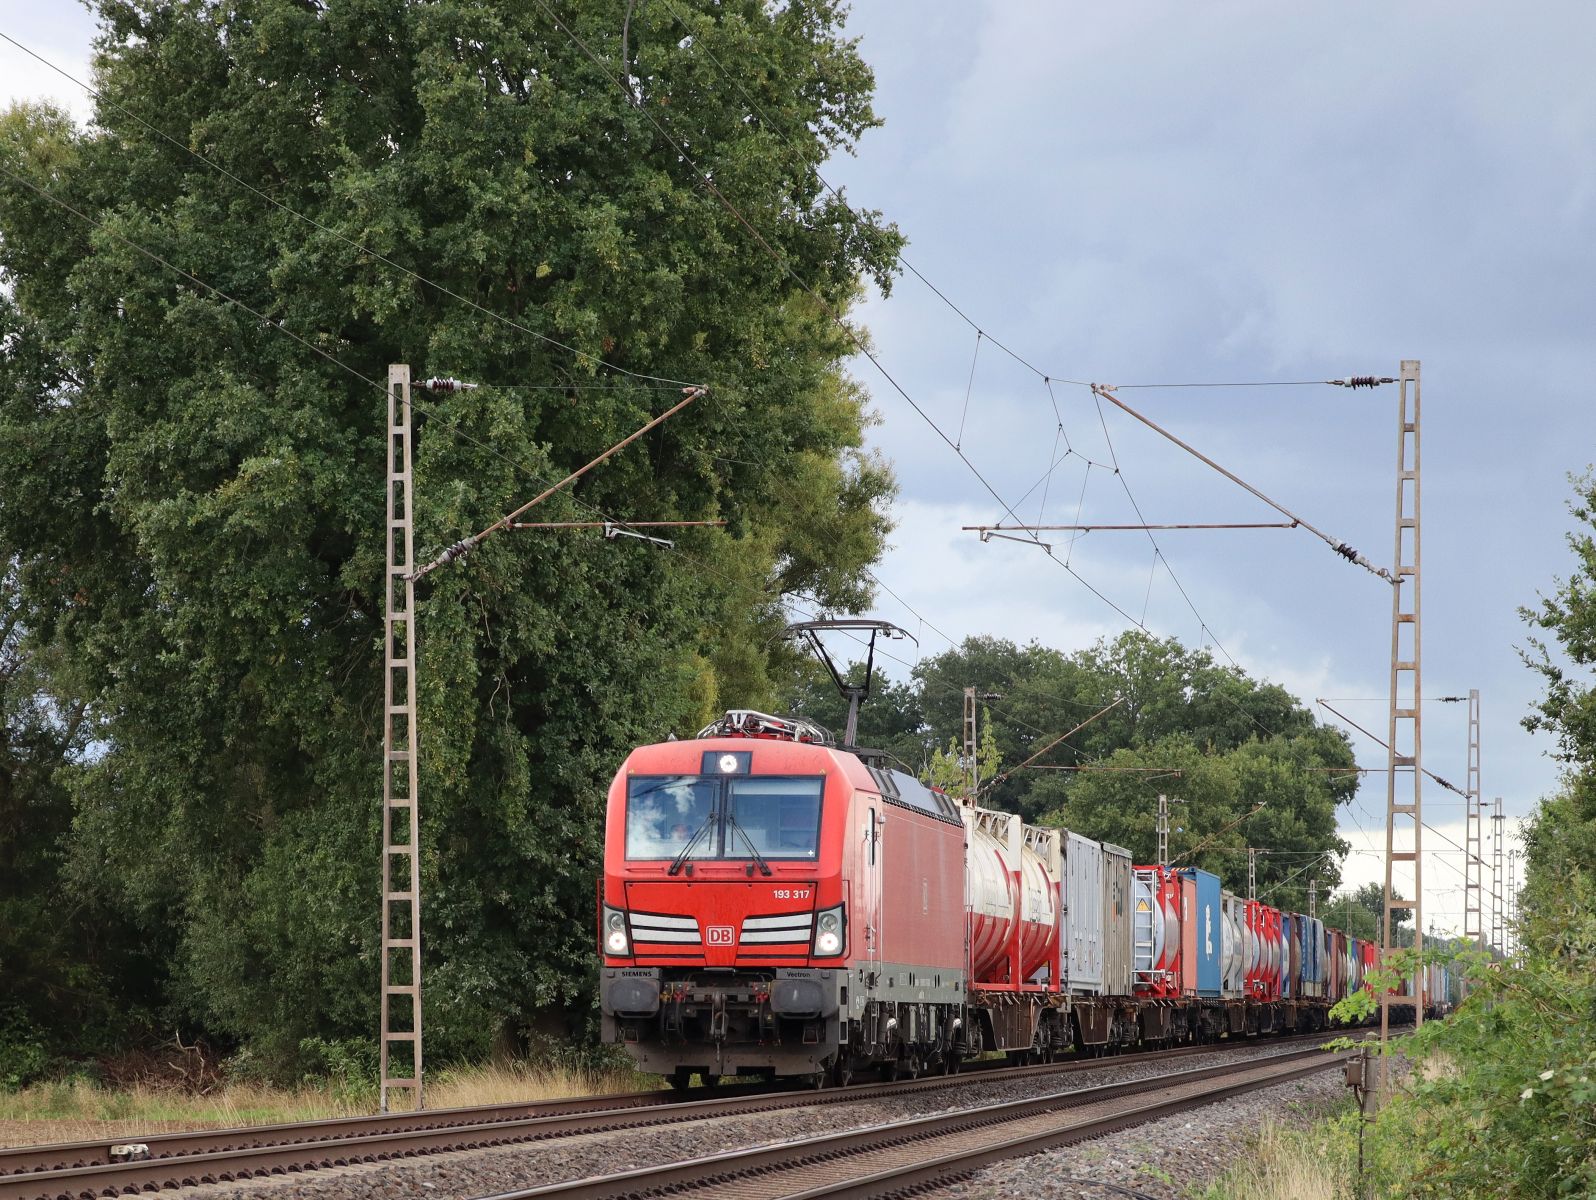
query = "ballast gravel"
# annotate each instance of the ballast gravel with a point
(1171, 1159)
(465, 1174)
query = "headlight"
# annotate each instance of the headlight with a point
(616, 940)
(829, 932)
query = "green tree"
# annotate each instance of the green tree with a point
(192, 499)
(1164, 691)
(949, 769)
(1560, 839)
(1361, 912)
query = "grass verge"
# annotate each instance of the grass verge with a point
(1319, 1162)
(77, 1110)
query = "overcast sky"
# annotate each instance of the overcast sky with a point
(1228, 192)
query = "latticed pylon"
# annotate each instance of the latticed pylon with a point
(401, 829)
(1404, 816)
(1473, 859)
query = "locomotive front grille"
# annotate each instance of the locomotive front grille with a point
(662, 929)
(780, 929)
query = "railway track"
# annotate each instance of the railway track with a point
(892, 1160)
(99, 1168)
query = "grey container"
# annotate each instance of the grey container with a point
(1118, 933)
(1084, 897)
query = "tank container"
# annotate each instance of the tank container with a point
(998, 862)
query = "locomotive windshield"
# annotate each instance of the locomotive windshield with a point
(765, 816)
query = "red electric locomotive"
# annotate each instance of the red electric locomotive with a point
(752, 922)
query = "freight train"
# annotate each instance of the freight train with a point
(775, 905)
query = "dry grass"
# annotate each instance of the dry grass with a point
(1436, 1066)
(504, 1084)
(1292, 1164)
(81, 1111)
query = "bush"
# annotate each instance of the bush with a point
(1515, 1112)
(24, 1052)
(348, 1067)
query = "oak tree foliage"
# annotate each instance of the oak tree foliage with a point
(191, 499)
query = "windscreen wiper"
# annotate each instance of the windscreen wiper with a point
(764, 867)
(676, 863)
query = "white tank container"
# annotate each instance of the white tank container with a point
(1236, 935)
(995, 849)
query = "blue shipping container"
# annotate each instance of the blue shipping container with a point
(1210, 931)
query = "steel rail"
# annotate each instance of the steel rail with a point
(736, 1168)
(182, 1159)
(99, 1152)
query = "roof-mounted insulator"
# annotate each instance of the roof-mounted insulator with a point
(446, 384)
(1361, 381)
(613, 531)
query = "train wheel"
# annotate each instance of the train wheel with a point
(709, 1080)
(680, 1079)
(842, 1072)
(889, 1071)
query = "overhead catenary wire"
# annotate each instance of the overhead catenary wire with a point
(982, 334)
(594, 359)
(1106, 392)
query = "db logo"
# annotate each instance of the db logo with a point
(721, 935)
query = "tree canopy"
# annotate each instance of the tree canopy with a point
(192, 501)
(1560, 840)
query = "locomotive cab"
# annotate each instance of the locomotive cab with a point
(741, 923)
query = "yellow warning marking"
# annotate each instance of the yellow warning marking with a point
(1141, 906)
